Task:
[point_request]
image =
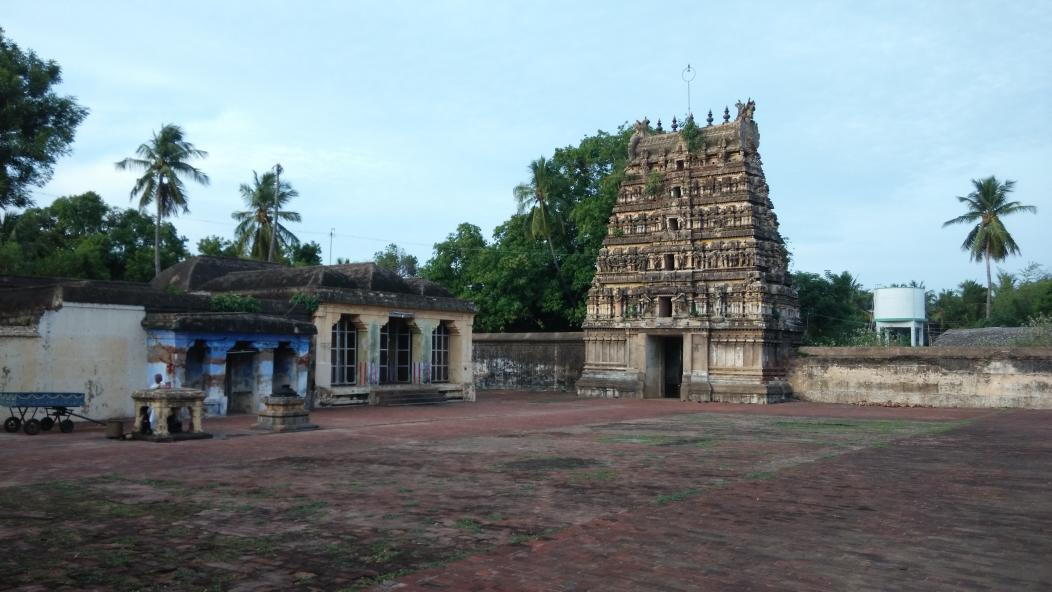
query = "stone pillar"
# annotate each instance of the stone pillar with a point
(215, 376)
(701, 389)
(324, 319)
(369, 348)
(263, 371)
(687, 354)
(301, 365)
(422, 353)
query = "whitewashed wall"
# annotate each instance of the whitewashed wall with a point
(96, 349)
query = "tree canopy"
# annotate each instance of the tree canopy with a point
(256, 224)
(164, 162)
(989, 240)
(36, 124)
(80, 236)
(517, 277)
(397, 260)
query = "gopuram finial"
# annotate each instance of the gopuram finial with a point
(658, 128)
(726, 114)
(675, 126)
(709, 118)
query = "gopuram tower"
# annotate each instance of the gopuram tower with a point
(692, 297)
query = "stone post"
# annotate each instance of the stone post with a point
(215, 375)
(263, 371)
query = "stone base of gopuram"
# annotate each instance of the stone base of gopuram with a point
(284, 414)
(717, 391)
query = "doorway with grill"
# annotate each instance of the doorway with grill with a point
(396, 352)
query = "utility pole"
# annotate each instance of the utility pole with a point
(332, 231)
(274, 221)
(688, 75)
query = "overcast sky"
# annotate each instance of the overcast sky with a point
(396, 121)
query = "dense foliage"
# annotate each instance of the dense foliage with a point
(833, 307)
(397, 260)
(836, 310)
(80, 236)
(36, 124)
(233, 303)
(534, 273)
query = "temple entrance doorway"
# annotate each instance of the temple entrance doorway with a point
(664, 366)
(672, 358)
(240, 379)
(396, 352)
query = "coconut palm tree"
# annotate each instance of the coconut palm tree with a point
(989, 239)
(535, 198)
(163, 161)
(255, 225)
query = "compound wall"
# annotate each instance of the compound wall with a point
(528, 361)
(936, 377)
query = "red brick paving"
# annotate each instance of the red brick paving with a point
(966, 510)
(84, 452)
(681, 496)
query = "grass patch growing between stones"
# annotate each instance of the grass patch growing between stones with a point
(676, 496)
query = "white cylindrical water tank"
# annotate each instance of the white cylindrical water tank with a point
(898, 304)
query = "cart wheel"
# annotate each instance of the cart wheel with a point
(32, 427)
(66, 425)
(12, 424)
(47, 423)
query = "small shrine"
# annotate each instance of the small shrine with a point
(168, 414)
(284, 411)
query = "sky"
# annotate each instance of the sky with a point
(397, 121)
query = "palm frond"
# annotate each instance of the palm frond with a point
(964, 219)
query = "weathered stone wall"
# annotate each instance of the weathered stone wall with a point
(528, 361)
(95, 349)
(937, 377)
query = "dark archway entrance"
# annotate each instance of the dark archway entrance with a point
(672, 362)
(240, 378)
(396, 352)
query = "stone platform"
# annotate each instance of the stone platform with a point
(284, 414)
(165, 403)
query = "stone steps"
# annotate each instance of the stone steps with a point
(422, 396)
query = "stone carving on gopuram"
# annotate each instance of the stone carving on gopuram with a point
(692, 298)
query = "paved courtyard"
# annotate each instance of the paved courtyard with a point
(543, 492)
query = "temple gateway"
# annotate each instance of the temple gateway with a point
(692, 298)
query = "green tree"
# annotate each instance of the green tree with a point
(455, 260)
(132, 240)
(397, 260)
(217, 246)
(833, 306)
(989, 239)
(256, 224)
(960, 308)
(164, 163)
(510, 277)
(537, 198)
(80, 236)
(36, 124)
(305, 254)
